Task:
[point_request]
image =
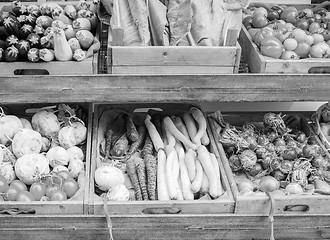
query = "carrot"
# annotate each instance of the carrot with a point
(154, 134)
(201, 121)
(217, 171)
(148, 147)
(131, 171)
(177, 134)
(162, 191)
(132, 133)
(197, 183)
(150, 162)
(141, 173)
(170, 180)
(181, 127)
(184, 177)
(203, 155)
(190, 161)
(190, 125)
(108, 142)
(120, 147)
(137, 144)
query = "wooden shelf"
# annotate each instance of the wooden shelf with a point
(159, 88)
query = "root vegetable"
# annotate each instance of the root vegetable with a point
(131, 171)
(171, 156)
(177, 134)
(190, 125)
(9, 126)
(184, 176)
(201, 120)
(162, 191)
(75, 167)
(138, 143)
(141, 173)
(217, 171)
(151, 168)
(120, 147)
(190, 161)
(46, 123)
(204, 157)
(132, 133)
(58, 156)
(26, 123)
(205, 188)
(108, 176)
(197, 183)
(26, 141)
(153, 133)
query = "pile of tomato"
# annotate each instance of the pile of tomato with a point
(284, 32)
(57, 186)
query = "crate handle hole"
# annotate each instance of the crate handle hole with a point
(320, 70)
(161, 210)
(31, 72)
(296, 208)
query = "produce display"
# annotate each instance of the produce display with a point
(42, 155)
(171, 22)
(322, 124)
(48, 32)
(156, 155)
(288, 32)
(273, 155)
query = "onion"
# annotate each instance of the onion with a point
(268, 184)
(108, 176)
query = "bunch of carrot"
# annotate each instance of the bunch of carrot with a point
(167, 157)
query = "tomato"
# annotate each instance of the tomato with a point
(10, 194)
(70, 187)
(260, 11)
(286, 166)
(289, 154)
(289, 55)
(326, 34)
(289, 26)
(302, 23)
(309, 39)
(318, 38)
(51, 188)
(262, 34)
(273, 14)
(58, 195)
(24, 196)
(320, 50)
(3, 184)
(320, 162)
(271, 47)
(290, 14)
(259, 21)
(290, 44)
(321, 11)
(257, 168)
(19, 185)
(314, 27)
(305, 13)
(65, 174)
(38, 190)
(299, 35)
(279, 9)
(310, 151)
(303, 49)
(247, 21)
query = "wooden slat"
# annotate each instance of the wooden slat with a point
(167, 70)
(223, 227)
(168, 56)
(171, 88)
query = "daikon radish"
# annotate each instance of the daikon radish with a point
(154, 135)
(177, 134)
(190, 125)
(190, 161)
(162, 191)
(203, 155)
(201, 121)
(197, 183)
(170, 180)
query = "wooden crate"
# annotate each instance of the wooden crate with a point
(224, 204)
(53, 207)
(87, 66)
(168, 60)
(259, 63)
(256, 204)
(283, 1)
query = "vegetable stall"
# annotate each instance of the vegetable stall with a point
(115, 142)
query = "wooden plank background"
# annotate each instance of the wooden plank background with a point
(170, 88)
(165, 227)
